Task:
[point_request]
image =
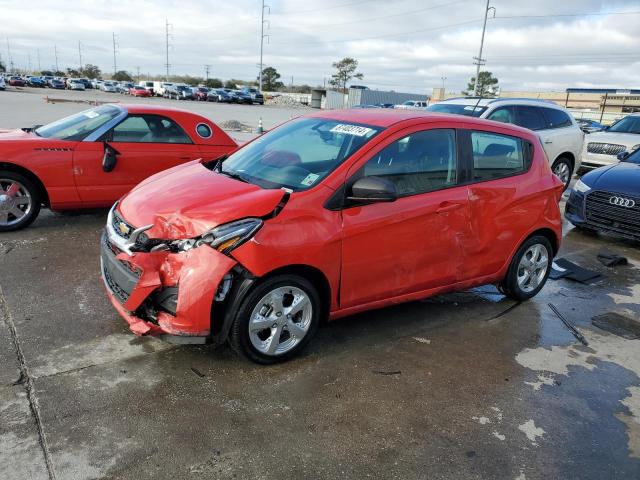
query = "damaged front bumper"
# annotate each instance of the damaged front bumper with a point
(167, 294)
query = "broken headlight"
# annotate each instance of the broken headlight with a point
(224, 238)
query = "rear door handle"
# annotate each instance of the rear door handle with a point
(448, 207)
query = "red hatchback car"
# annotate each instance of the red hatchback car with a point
(92, 158)
(138, 91)
(328, 215)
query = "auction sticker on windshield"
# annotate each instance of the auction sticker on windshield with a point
(91, 114)
(309, 179)
(356, 130)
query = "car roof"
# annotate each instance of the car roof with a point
(140, 108)
(386, 117)
(485, 102)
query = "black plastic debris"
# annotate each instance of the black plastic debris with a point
(563, 268)
(610, 259)
(617, 324)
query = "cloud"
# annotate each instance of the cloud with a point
(405, 45)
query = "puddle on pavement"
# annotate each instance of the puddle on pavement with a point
(617, 324)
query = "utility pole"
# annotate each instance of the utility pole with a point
(9, 57)
(38, 52)
(206, 71)
(479, 60)
(80, 53)
(443, 79)
(138, 75)
(167, 65)
(262, 37)
(29, 61)
(55, 53)
(115, 64)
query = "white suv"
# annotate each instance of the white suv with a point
(561, 136)
(602, 148)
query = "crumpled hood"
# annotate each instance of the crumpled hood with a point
(188, 200)
(626, 139)
(623, 177)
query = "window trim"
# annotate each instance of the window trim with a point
(528, 152)
(203, 136)
(108, 136)
(339, 201)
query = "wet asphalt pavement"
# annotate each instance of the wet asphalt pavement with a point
(443, 388)
(461, 386)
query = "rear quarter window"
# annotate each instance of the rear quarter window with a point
(556, 118)
(498, 156)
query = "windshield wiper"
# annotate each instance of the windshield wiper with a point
(234, 175)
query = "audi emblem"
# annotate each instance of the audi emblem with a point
(622, 202)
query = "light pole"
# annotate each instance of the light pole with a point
(443, 79)
(262, 36)
(479, 60)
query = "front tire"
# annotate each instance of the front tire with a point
(563, 169)
(276, 320)
(19, 201)
(529, 269)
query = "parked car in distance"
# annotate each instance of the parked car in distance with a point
(239, 96)
(219, 95)
(200, 93)
(36, 82)
(255, 94)
(159, 88)
(76, 84)
(47, 79)
(16, 81)
(57, 84)
(108, 87)
(608, 198)
(216, 259)
(589, 126)
(86, 82)
(603, 148)
(561, 136)
(3, 84)
(124, 87)
(179, 92)
(92, 158)
(139, 91)
(413, 105)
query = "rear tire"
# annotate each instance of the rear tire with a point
(529, 269)
(20, 200)
(276, 320)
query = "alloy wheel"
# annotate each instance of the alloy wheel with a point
(15, 202)
(280, 320)
(561, 170)
(532, 267)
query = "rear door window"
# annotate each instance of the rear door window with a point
(496, 156)
(556, 118)
(530, 117)
(503, 114)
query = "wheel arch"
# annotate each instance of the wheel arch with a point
(549, 235)
(568, 155)
(32, 176)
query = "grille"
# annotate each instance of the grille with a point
(605, 148)
(113, 286)
(117, 221)
(624, 220)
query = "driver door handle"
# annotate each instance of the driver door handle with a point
(448, 207)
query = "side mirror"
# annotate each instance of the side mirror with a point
(373, 189)
(623, 155)
(110, 158)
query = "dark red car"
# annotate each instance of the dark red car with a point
(330, 215)
(200, 93)
(138, 91)
(17, 81)
(92, 158)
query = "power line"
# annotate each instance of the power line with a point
(553, 15)
(329, 7)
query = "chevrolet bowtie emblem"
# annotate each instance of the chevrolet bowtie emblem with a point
(124, 229)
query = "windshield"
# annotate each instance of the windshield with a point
(298, 155)
(457, 109)
(77, 127)
(627, 125)
(634, 157)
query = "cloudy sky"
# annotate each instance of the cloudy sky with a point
(405, 45)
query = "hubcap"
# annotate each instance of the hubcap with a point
(561, 171)
(15, 202)
(532, 268)
(280, 320)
